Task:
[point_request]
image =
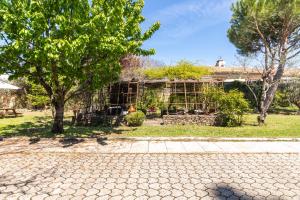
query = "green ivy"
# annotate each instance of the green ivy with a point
(183, 70)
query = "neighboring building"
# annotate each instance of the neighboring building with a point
(7, 98)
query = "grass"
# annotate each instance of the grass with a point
(39, 124)
(276, 126)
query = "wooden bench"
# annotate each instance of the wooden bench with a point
(7, 111)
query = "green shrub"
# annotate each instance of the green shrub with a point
(231, 105)
(183, 70)
(135, 118)
(280, 100)
(232, 108)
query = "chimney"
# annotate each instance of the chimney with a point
(220, 63)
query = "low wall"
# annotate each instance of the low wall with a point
(202, 120)
(95, 120)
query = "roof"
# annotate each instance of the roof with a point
(292, 71)
(220, 74)
(7, 86)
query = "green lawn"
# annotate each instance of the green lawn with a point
(277, 126)
(39, 124)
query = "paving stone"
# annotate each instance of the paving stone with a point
(92, 192)
(168, 198)
(155, 198)
(38, 197)
(188, 193)
(153, 193)
(79, 197)
(140, 192)
(93, 197)
(176, 193)
(80, 192)
(219, 176)
(201, 193)
(67, 197)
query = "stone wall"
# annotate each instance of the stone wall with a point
(94, 119)
(202, 120)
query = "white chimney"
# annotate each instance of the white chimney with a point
(220, 63)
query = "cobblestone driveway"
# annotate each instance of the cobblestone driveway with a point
(149, 176)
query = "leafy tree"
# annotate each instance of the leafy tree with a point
(30, 95)
(37, 96)
(270, 28)
(69, 46)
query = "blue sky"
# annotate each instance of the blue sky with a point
(195, 30)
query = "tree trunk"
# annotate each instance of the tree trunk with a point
(298, 105)
(268, 95)
(58, 125)
(270, 85)
(262, 111)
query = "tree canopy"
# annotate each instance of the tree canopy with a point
(69, 45)
(270, 28)
(262, 25)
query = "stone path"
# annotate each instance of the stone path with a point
(112, 146)
(47, 176)
(101, 169)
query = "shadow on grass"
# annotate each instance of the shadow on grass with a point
(40, 127)
(285, 110)
(19, 115)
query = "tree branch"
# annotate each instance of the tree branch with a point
(43, 81)
(294, 55)
(253, 94)
(78, 91)
(268, 48)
